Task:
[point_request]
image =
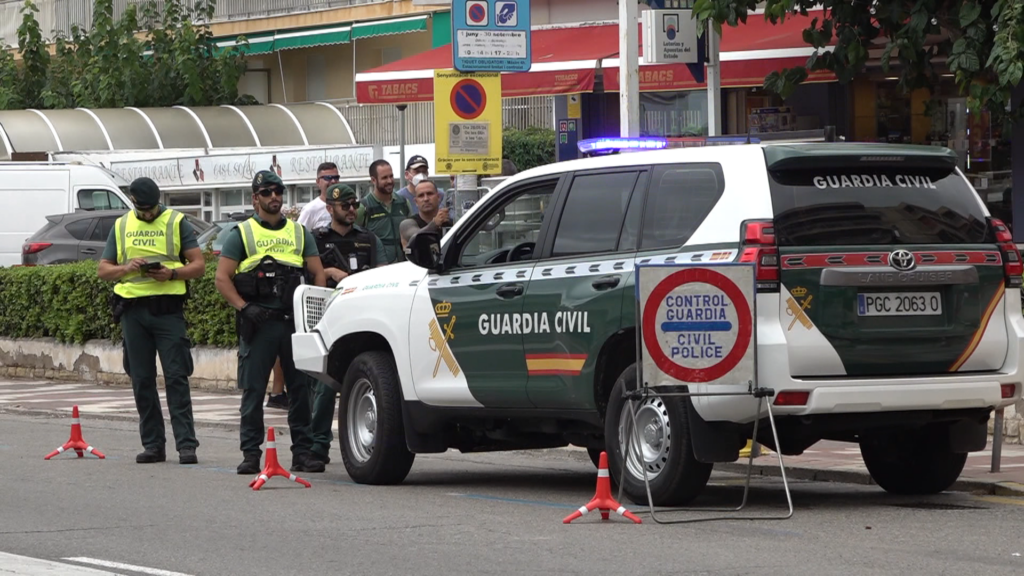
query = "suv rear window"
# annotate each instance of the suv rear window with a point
(829, 207)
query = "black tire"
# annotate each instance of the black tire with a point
(389, 458)
(912, 462)
(682, 477)
(595, 455)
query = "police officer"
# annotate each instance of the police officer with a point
(143, 255)
(345, 249)
(383, 211)
(262, 262)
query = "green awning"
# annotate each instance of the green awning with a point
(258, 44)
(389, 27)
(321, 36)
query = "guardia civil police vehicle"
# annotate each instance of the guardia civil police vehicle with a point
(887, 315)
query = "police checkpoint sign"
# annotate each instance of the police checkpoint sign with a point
(697, 324)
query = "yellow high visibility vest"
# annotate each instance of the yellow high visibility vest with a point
(156, 241)
(285, 245)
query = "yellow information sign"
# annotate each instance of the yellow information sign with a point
(467, 122)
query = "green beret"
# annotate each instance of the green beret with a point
(266, 178)
(144, 192)
(340, 193)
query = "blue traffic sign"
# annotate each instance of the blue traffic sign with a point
(491, 35)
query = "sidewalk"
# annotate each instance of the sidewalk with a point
(825, 461)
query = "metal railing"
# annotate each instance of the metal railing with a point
(60, 15)
(378, 123)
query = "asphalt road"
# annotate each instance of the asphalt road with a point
(456, 514)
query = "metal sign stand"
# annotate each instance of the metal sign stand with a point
(632, 440)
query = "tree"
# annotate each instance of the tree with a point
(981, 41)
(146, 58)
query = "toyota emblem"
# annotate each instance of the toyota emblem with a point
(902, 260)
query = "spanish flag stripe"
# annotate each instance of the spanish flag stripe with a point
(981, 330)
(555, 364)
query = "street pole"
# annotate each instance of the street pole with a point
(401, 144)
(714, 75)
(629, 69)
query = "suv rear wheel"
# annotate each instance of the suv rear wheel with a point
(372, 436)
(911, 462)
(675, 474)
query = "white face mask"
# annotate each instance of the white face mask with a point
(417, 179)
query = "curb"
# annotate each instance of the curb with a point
(861, 477)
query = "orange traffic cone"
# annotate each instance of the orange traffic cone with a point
(271, 468)
(603, 500)
(76, 442)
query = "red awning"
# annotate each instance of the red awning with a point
(565, 59)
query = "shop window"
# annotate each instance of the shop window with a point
(232, 198)
(184, 199)
(674, 114)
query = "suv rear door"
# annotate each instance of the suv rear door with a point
(889, 263)
(576, 291)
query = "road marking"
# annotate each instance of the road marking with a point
(26, 566)
(129, 567)
(1002, 500)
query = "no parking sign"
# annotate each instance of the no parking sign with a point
(697, 324)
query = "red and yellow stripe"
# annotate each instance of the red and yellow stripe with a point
(555, 364)
(981, 330)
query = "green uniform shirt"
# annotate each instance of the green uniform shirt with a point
(385, 227)
(189, 239)
(234, 249)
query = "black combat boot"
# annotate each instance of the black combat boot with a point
(250, 464)
(151, 455)
(306, 462)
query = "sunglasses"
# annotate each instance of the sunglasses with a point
(331, 178)
(348, 205)
(144, 208)
(266, 192)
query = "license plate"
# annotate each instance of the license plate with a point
(899, 304)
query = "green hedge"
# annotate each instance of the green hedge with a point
(70, 303)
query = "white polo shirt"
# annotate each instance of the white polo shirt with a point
(315, 215)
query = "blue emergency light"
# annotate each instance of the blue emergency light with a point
(596, 146)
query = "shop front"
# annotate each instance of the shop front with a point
(579, 66)
(212, 186)
(883, 113)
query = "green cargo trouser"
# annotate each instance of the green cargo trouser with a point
(325, 400)
(255, 363)
(145, 336)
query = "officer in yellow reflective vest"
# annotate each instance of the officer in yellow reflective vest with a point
(261, 263)
(144, 256)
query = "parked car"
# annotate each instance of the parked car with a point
(217, 232)
(78, 236)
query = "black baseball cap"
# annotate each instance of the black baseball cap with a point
(416, 161)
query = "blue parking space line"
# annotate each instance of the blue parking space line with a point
(517, 501)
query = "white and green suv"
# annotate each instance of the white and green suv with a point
(888, 315)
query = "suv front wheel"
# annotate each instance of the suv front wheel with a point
(911, 461)
(675, 475)
(370, 428)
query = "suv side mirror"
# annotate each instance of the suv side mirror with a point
(424, 250)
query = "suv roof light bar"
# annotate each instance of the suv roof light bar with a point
(599, 146)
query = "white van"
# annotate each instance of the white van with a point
(30, 191)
